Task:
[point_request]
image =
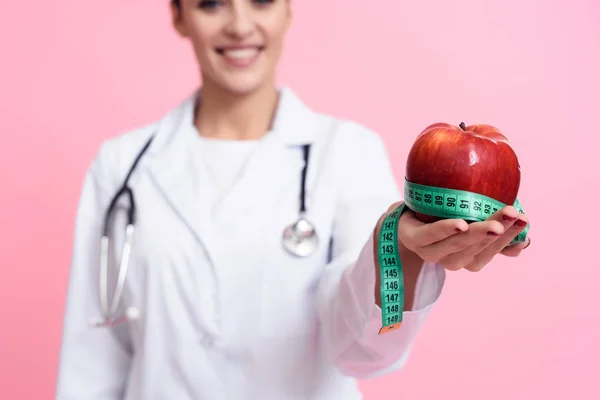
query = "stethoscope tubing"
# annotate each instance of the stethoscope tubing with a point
(300, 243)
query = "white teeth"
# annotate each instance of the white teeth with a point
(240, 54)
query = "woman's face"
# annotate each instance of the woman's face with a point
(237, 42)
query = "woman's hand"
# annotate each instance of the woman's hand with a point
(454, 244)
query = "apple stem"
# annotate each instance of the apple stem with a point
(463, 126)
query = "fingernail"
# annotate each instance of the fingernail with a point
(521, 224)
(490, 233)
(507, 218)
(528, 243)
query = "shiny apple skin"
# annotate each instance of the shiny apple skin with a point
(478, 159)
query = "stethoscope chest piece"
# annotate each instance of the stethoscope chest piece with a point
(300, 238)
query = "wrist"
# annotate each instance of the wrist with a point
(412, 265)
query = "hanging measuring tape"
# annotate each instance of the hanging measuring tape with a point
(437, 202)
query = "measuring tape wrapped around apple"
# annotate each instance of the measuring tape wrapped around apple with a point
(466, 172)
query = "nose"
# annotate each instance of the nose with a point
(240, 22)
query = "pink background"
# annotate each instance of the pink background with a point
(73, 73)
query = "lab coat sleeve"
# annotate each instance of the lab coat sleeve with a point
(94, 362)
(349, 317)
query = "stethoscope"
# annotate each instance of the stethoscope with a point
(300, 239)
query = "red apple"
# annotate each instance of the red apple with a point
(476, 158)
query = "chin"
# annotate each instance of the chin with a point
(239, 83)
(241, 86)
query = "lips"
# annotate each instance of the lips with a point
(240, 55)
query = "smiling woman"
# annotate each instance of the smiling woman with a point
(253, 240)
(237, 43)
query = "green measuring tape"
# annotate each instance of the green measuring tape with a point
(434, 201)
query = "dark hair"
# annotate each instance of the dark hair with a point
(176, 3)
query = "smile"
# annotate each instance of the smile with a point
(240, 56)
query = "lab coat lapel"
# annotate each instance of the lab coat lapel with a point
(277, 163)
(274, 167)
(175, 169)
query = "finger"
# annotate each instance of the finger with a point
(415, 234)
(516, 249)
(507, 216)
(462, 258)
(485, 256)
(478, 232)
(517, 227)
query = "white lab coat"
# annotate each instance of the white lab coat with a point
(226, 313)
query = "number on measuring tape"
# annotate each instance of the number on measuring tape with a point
(450, 203)
(390, 271)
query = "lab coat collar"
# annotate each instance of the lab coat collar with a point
(175, 167)
(294, 122)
